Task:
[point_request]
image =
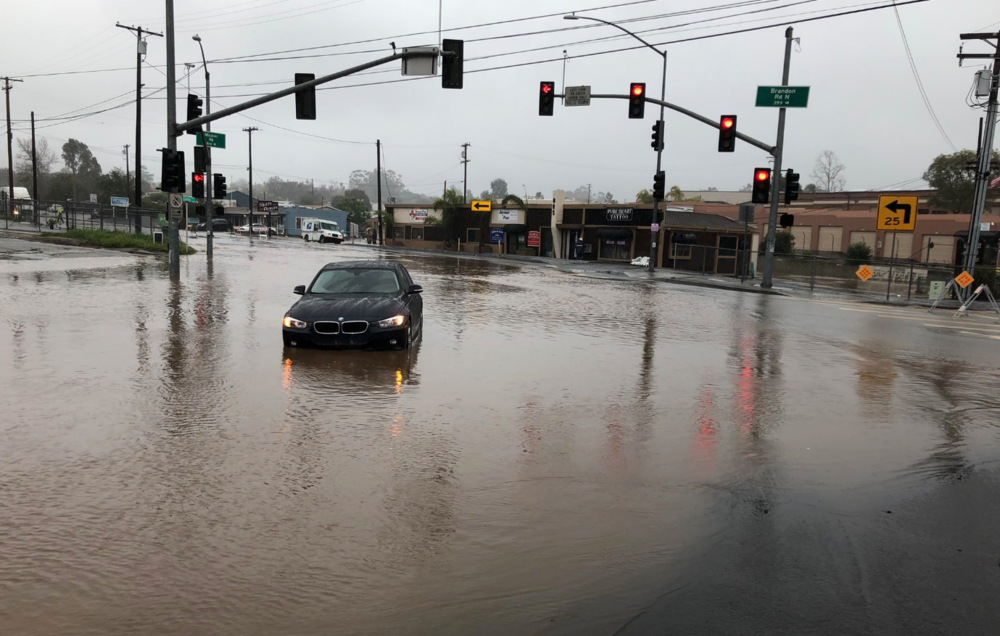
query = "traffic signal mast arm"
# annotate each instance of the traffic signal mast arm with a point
(291, 90)
(714, 123)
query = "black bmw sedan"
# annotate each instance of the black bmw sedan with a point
(356, 304)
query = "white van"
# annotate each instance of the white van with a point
(320, 230)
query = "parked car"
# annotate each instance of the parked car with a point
(218, 225)
(356, 304)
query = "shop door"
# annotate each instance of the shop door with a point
(726, 256)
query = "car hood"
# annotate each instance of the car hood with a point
(351, 307)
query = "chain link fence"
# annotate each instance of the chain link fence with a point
(59, 216)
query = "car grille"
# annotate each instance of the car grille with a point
(354, 326)
(327, 327)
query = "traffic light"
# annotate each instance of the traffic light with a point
(194, 112)
(636, 100)
(172, 170)
(761, 192)
(791, 186)
(546, 98)
(218, 186)
(199, 158)
(198, 185)
(305, 100)
(658, 185)
(657, 143)
(727, 133)
(786, 220)
(451, 63)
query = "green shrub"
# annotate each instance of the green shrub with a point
(122, 240)
(859, 252)
(987, 275)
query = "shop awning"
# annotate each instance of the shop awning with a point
(684, 238)
(515, 228)
(614, 232)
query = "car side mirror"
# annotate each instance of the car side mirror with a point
(300, 290)
(414, 289)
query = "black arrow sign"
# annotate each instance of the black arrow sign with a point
(896, 206)
(479, 205)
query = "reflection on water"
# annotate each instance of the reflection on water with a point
(554, 454)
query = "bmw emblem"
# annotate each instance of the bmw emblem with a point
(341, 318)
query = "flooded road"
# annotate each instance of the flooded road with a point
(560, 454)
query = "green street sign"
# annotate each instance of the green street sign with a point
(783, 96)
(211, 139)
(190, 199)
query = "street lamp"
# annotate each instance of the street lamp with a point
(663, 97)
(208, 155)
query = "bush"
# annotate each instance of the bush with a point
(784, 243)
(119, 240)
(986, 275)
(859, 252)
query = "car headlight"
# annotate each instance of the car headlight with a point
(294, 323)
(395, 321)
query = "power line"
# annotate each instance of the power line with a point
(920, 85)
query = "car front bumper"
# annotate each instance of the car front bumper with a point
(374, 338)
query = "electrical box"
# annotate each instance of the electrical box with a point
(982, 83)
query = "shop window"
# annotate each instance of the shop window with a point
(417, 234)
(680, 250)
(472, 235)
(614, 249)
(398, 232)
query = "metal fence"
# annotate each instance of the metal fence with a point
(889, 278)
(58, 216)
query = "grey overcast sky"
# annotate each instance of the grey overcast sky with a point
(865, 105)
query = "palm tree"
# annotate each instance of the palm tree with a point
(455, 215)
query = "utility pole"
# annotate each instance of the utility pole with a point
(776, 172)
(249, 131)
(465, 166)
(10, 140)
(128, 178)
(34, 169)
(985, 145)
(139, 52)
(378, 180)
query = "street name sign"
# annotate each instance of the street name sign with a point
(481, 206)
(211, 139)
(783, 96)
(864, 272)
(577, 96)
(897, 213)
(190, 199)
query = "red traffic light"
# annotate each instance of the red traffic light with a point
(762, 175)
(547, 88)
(728, 122)
(198, 177)
(637, 89)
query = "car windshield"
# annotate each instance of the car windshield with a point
(355, 281)
(329, 226)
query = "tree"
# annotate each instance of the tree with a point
(498, 189)
(44, 158)
(828, 172)
(644, 196)
(954, 181)
(112, 184)
(358, 211)
(810, 188)
(675, 193)
(455, 215)
(79, 162)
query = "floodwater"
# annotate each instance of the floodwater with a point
(560, 454)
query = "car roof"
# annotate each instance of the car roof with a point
(363, 265)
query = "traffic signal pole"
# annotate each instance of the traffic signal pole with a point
(772, 219)
(659, 156)
(174, 206)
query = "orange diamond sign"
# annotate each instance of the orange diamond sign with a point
(964, 279)
(864, 272)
